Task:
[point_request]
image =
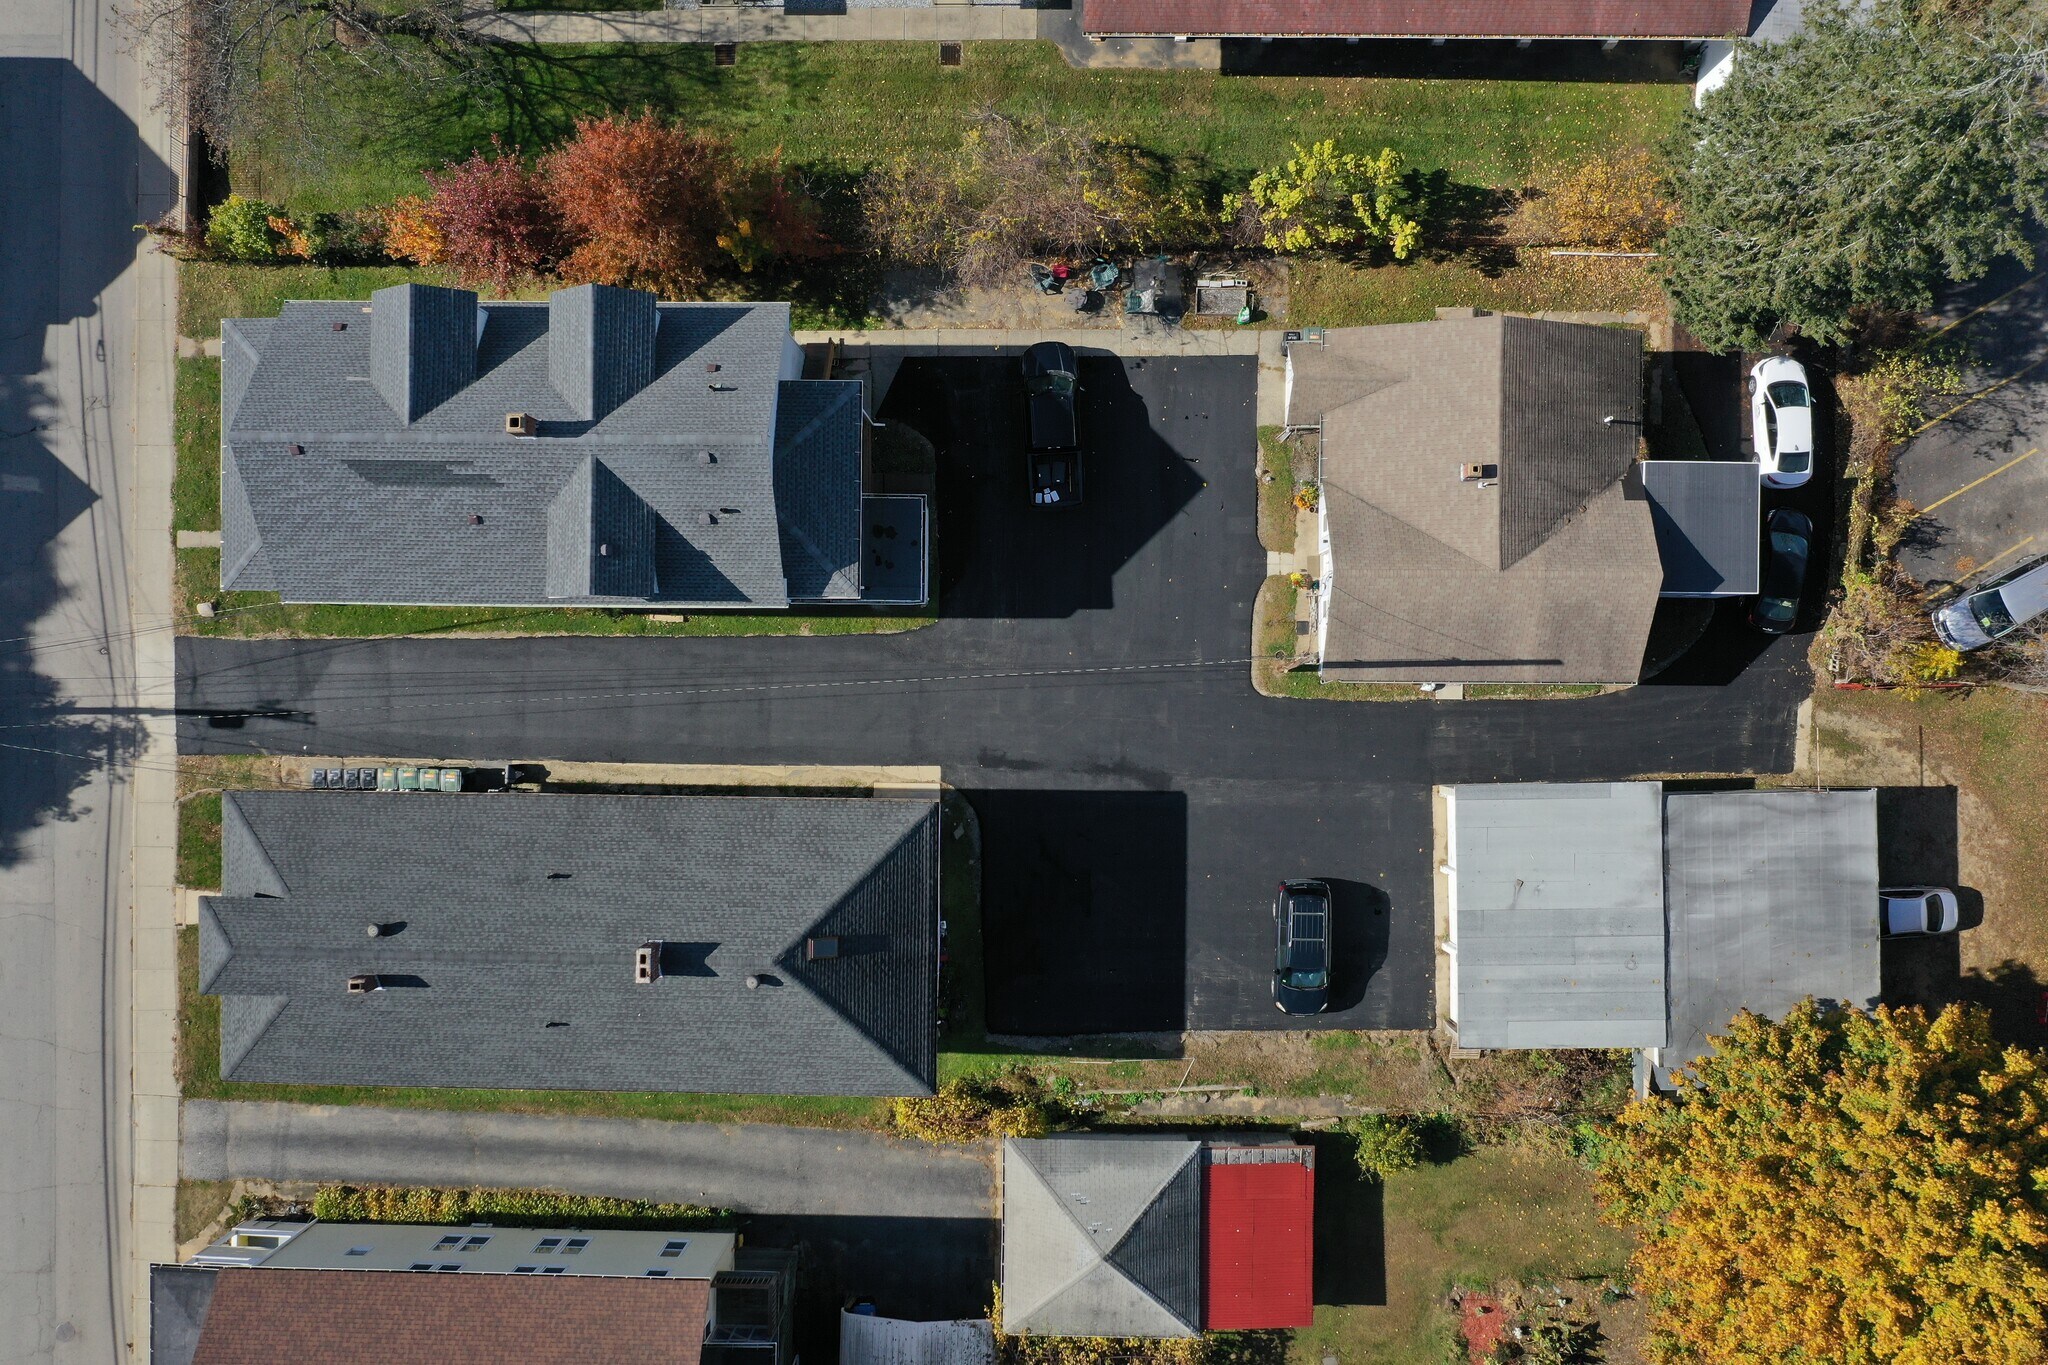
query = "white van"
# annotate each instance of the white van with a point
(1976, 619)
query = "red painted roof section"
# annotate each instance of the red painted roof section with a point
(1418, 18)
(1260, 1252)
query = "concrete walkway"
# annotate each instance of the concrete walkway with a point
(751, 1168)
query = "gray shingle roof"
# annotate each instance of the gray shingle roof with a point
(1772, 897)
(1545, 570)
(1558, 915)
(399, 421)
(521, 914)
(1102, 1236)
(1708, 515)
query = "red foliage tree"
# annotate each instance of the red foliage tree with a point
(646, 202)
(496, 222)
(771, 219)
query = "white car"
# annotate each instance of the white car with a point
(1910, 910)
(1781, 420)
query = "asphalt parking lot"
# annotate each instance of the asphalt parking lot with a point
(1976, 472)
(1088, 689)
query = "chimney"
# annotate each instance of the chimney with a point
(647, 963)
(521, 424)
(363, 985)
(1474, 472)
(815, 948)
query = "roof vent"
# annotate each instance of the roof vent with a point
(647, 963)
(706, 519)
(341, 327)
(476, 518)
(815, 948)
(295, 449)
(373, 931)
(706, 457)
(711, 367)
(363, 985)
(1473, 473)
(753, 982)
(721, 388)
(604, 551)
(521, 424)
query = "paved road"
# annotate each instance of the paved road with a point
(808, 1172)
(73, 179)
(1978, 474)
(910, 1224)
(1088, 690)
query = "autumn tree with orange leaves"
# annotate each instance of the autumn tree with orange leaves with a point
(1843, 1187)
(645, 201)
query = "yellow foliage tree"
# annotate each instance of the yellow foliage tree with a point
(410, 233)
(1616, 202)
(1846, 1188)
(1323, 198)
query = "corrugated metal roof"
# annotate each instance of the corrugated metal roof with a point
(1418, 18)
(1260, 1245)
(1773, 897)
(1708, 515)
(1559, 914)
(865, 1339)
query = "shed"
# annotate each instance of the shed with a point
(1259, 1237)
(1556, 914)
(1707, 515)
(1772, 898)
(869, 1339)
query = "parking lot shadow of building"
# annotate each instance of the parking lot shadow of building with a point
(1361, 923)
(920, 1268)
(1084, 910)
(1351, 1228)
(998, 555)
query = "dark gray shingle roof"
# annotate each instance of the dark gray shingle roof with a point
(1707, 514)
(1772, 897)
(1102, 1236)
(521, 915)
(399, 423)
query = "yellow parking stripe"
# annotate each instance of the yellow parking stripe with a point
(1956, 588)
(1974, 482)
(2020, 374)
(1982, 306)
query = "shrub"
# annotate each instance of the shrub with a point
(1616, 202)
(241, 229)
(496, 223)
(1383, 1145)
(537, 1208)
(645, 202)
(1323, 198)
(409, 231)
(974, 1107)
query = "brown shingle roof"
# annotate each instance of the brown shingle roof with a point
(356, 1317)
(1545, 572)
(1418, 18)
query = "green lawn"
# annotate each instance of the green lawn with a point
(1387, 1257)
(199, 841)
(260, 614)
(837, 107)
(195, 490)
(1276, 499)
(211, 290)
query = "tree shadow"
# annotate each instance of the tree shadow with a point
(1462, 222)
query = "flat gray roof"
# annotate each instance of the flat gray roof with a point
(1558, 914)
(1772, 898)
(1708, 517)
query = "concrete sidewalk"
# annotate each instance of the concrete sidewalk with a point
(752, 1168)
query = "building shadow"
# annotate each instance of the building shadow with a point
(997, 554)
(1084, 910)
(926, 1269)
(1918, 843)
(1351, 1228)
(68, 237)
(1633, 63)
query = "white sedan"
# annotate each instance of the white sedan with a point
(1781, 420)
(1918, 910)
